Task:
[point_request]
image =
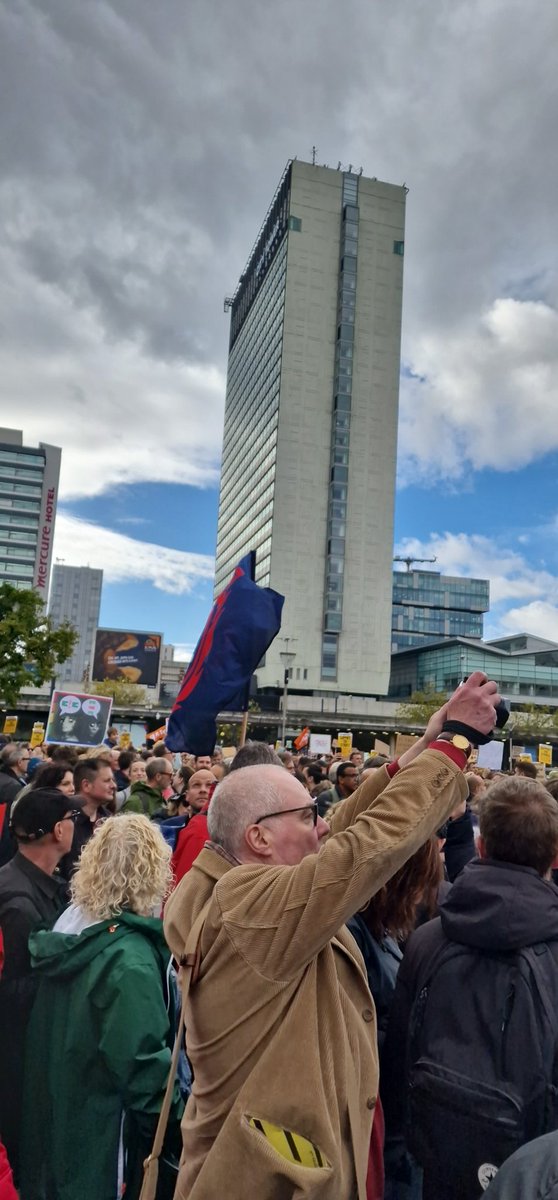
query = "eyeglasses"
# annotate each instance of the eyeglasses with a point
(72, 816)
(308, 808)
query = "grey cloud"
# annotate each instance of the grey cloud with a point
(142, 143)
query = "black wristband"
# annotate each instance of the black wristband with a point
(474, 735)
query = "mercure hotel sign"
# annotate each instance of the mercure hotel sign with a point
(45, 533)
(44, 549)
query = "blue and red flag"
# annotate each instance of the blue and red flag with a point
(242, 624)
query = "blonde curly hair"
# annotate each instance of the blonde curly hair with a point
(124, 866)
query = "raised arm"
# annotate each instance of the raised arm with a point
(297, 909)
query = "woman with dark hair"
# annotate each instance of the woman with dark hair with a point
(388, 920)
(378, 929)
(54, 775)
(180, 781)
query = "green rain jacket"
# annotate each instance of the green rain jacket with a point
(142, 799)
(99, 1046)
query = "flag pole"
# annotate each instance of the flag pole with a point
(243, 729)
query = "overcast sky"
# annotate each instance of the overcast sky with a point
(141, 145)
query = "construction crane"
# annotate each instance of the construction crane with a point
(410, 560)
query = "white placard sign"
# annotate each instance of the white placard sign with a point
(491, 755)
(320, 743)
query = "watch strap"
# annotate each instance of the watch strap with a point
(473, 735)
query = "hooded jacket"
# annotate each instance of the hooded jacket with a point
(99, 1045)
(492, 906)
(142, 799)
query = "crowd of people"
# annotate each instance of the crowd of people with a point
(374, 1007)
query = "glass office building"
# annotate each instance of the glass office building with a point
(309, 449)
(28, 498)
(428, 606)
(525, 667)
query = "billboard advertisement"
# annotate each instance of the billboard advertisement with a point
(125, 654)
(77, 719)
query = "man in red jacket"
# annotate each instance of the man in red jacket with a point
(192, 839)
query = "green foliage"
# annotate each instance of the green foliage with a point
(30, 648)
(228, 734)
(420, 706)
(533, 720)
(123, 693)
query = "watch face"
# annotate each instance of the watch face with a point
(462, 743)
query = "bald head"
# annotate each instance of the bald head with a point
(198, 789)
(247, 795)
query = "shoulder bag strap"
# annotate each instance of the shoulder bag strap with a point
(354, 1123)
(190, 963)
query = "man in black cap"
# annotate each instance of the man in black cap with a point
(31, 894)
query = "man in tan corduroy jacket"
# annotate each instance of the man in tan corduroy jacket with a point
(281, 1027)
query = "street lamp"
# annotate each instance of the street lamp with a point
(287, 658)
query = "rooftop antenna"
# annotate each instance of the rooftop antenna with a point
(409, 559)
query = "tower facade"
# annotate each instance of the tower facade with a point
(75, 596)
(309, 450)
(28, 498)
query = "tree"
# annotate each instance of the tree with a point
(532, 721)
(420, 706)
(126, 695)
(30, 647)
(229, 734)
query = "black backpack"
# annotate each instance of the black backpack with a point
(483, 1067)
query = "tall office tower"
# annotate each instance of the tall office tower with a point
(28, 497)
(309, 448)
(428, 606)
(75, 596)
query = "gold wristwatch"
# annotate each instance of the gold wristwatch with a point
(456, 739)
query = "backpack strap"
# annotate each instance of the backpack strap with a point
(445, 951)
(190, 963)
(535, 957)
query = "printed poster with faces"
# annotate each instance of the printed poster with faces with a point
(76, 719)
